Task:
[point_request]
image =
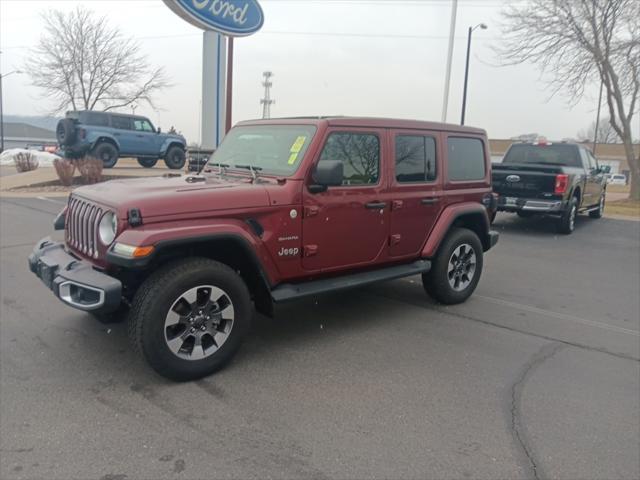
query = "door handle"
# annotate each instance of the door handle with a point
(429, 201)
(375, 205)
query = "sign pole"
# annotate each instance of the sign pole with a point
(229, 123)
(214, 53)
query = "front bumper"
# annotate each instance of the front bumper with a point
(515, 204)
(74, 281)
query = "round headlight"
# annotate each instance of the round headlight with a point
(108, 228)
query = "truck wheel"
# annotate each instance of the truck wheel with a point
(456, 269)
(188, 318)
(147, 162)
(600, 211)
(175, 158)
(567, 223)
(66, 132)
(107, 152)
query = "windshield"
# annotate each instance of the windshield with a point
(554, 154)
(271, 149)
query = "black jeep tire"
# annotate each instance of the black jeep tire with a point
(119, 316)
(567, 222)
(175, 158)
(107, 152)
(525, 214)
(66, 132)
(600, 211)
(456, 269)
(147, 162)
(163, 298)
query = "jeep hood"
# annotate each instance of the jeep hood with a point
(175, 195)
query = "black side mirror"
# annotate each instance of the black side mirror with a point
(605, 168)
(159, 130)
(328, 173)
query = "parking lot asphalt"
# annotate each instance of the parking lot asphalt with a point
(536, 376)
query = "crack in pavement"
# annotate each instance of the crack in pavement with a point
(518, 428)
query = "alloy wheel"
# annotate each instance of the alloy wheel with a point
(462, 267)
(199, 322)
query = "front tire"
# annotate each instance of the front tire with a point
(107, 152)
(188, 319)
(567, 223)
(456, 269)
(175, 158)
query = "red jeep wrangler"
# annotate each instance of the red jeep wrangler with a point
(284, 209)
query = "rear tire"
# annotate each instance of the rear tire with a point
(147, 162)
(600, 211)
(107, 152)
(567, 222)
(456, 269)
(181, 320)
(175, 158)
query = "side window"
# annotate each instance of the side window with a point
(593, 163)
(123, 123)
(142, 125)
(360, 154)
(97, 119)
(415, 159)
(585, 158)
(466, 158)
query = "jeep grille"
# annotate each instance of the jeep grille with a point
(82, 223)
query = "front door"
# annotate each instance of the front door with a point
(348, 225)
(594, 180)
(145, 137)
(416, 190)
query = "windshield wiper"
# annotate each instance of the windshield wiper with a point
(252, 169)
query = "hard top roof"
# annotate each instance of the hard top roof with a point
(371, 122)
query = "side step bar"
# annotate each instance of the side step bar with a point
(289, 291)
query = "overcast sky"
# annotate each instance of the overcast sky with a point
(348, 57)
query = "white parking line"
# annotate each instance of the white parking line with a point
(561, 316)
(51, 200)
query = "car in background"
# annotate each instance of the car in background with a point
(617, 179)
(558, 179)
(109, 136)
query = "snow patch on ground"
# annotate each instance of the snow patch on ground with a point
(45, 159)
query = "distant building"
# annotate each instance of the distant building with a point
(23, 135)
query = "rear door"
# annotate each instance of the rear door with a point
(122, 131)
(415, 190)
(348, 225)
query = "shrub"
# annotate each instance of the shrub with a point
(91, 169)
(65, 169)
(25, 161)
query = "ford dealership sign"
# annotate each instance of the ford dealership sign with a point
(235, 18)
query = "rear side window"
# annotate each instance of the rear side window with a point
(123, 123)
(360, 154)
(466, 158)
(415, 159)
(96, 119)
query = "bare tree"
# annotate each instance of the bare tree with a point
(606, 133)
(82, 62)
(582, 42)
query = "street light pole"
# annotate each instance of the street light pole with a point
(466, 70)
(1, 110)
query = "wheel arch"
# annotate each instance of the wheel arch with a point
(171, 143)
(465, 215)
(106, 139)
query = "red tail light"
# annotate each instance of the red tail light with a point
(562, 182)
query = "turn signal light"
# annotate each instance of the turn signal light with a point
(562, 182)
(132, 251)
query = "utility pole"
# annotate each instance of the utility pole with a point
(267, 101)
(447, 78)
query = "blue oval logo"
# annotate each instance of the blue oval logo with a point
(235, 18)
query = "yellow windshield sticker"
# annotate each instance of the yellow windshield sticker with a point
(297, 145)
(292, 158)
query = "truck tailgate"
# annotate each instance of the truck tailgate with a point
(530, 181)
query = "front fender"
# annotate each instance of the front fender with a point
(447, 218)
(167, 235)
(167, 142)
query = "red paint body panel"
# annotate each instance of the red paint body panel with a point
(304, 234)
